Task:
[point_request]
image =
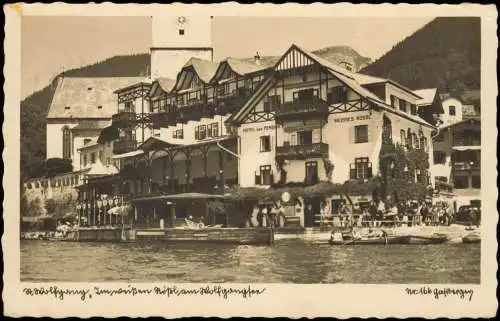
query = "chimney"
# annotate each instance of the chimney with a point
(257, 58)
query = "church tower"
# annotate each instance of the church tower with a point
(176, 39)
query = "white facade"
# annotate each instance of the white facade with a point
(54, 142)
(452, 111)
(338, 132)
(175, 40)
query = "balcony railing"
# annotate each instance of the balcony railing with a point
(163, 118)
(195, 112)
(123, 145)
(124, 119)
(302, 151)
(466, 142)
(230, 103)
(296, 110)
(464, 166)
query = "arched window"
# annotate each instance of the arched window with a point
(66, 142)
(387, 129)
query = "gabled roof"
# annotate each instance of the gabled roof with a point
(204, 69)
(239, 66)
(362, 79)
(77, 97)
(165, 84)
(428, 95)
(146, 82)
(344, 75)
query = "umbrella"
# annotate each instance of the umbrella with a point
(119, 210)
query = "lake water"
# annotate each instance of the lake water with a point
(287, 261)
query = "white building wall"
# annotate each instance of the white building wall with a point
(250, 156)
(390, 89)
(446, 147)
(189, 128)
(55, 138)
(339, 134)
(448, 119)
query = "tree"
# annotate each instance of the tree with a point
(55, 166)
(34, 208)
(50, 206)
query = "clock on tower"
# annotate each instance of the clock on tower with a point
(175, 40)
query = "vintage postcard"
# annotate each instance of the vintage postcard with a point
(250, 160)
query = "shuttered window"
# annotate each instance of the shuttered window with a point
(361, 134)
(403, 137)
(311, 172)
(265, 143)
(264, 176)
(361, 168)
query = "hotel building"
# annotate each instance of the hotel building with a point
(293, 119)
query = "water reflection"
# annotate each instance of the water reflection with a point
(289, 261)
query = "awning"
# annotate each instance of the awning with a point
(99, 169)
(183, 196)
(463, 148)
(159, 143)
(129, 154)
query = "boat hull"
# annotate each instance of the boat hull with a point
(471, 239)
(375, 241)
(417, 239)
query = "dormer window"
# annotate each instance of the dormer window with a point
(99, 107)
(67, 108)
(181, 32)
(89, 88)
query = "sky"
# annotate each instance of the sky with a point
(51, 44)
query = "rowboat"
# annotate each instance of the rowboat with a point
(428, 239)
(403, 239)
(471, 238)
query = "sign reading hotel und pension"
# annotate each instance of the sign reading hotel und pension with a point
(261, 129)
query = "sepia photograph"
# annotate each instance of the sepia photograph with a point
(196, 147)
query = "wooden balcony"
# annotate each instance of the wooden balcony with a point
(301, 152)
(195, 111)
(465, 166)
(124, 145)
(124, 119)
(228, 104)
(163, 119)
(314, 108)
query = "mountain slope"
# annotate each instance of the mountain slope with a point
(445, 53)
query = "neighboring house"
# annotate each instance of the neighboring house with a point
(429, 107)
(457, 159)
(453, 111)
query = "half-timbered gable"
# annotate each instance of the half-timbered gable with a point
(309, 113)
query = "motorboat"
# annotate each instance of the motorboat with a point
(375, 240)
(428, 239)
(471, 238)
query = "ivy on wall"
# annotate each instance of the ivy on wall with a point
(403, 172)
